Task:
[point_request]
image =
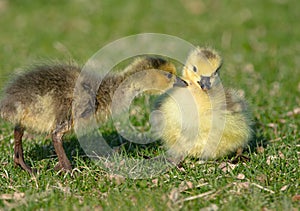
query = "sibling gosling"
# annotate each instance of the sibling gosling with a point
(41, 100)
(204, 120)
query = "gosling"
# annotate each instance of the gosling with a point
(41, 100)
(203, 120)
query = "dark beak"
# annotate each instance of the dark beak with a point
(205, 83)
(179, 82)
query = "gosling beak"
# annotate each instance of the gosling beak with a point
(205, 83)
(180, 82)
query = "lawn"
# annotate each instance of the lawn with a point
(259, 41)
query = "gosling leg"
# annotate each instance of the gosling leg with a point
(18, 150)
(63, 162)
(240, 157)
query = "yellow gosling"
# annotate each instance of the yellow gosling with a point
(204, 120)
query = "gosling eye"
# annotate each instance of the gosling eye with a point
(195, 69)
(170, 75)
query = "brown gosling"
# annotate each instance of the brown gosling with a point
(41, 100)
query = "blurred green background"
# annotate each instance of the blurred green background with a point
(260, 43)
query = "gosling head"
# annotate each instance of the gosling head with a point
(168, 74)
(161, 64)
(202, 67)
(161, 81)
(156, 63)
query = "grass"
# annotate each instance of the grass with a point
(259, 41)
